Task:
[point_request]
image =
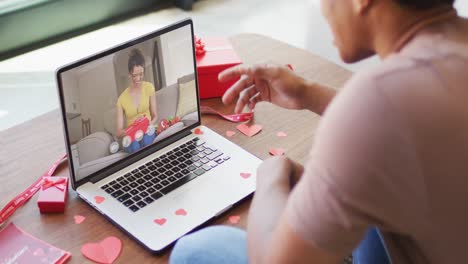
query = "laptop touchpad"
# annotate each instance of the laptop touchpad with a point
(208, 196)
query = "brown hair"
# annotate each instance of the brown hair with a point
(135, 59)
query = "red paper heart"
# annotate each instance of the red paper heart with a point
(79, 219)
(245, 175)
(277, 151)
(249, 131)
(234, 219)
(198, 131)
(106, 251)
(160, 221)
(281, 134)
(99, 199)
(230, 133)
(181, 212)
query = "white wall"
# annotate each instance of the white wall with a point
(97, 91)
(462, 7)
(177, 54)
(70, 91)
(72, 104)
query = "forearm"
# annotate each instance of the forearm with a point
(153, 112)
(120, 133)
(154, 118)
(154, 115)
(317, 97)
(266, 209)
(275, 178)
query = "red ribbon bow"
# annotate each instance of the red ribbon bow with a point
(199, 47)
(59, 184)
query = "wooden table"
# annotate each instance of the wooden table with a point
(27, 150)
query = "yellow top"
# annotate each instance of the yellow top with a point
(126, 103)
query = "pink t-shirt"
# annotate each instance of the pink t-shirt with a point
(392, 152)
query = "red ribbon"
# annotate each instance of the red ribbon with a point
(7, 211)
(59, 184)
(199, 47)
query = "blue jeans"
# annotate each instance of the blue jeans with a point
(223, 244)
(215, 244)
(371, 249)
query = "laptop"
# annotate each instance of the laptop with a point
(138, 153)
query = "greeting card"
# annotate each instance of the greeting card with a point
(17, 246)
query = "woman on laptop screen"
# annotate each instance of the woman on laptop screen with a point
(138, 100)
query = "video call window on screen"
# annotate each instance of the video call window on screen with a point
(126, 101)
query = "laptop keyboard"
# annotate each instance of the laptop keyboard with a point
(160, 176)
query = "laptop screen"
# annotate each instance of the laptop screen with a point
(119, 104)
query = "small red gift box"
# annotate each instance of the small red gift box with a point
(216, 56)
(53, 195)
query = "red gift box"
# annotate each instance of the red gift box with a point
(53, 195)
(217, 56)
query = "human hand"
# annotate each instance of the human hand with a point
(279, 171)
(276, 84)
(275, 179)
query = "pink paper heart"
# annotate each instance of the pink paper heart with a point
(230, 133)
(99, 199)
(181, 212)
(249, 131)
(281, 134)
(106, 251)
(234, 219)
(245, 175)
(277, 151)
(160, 221)
(79, 219)
(198, 131)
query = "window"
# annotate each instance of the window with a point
(30, 24)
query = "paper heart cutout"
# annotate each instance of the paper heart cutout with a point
(234, 219)
(230, 133)
(79, 219)
(99, 199)
(198, 131)
(249, 131)
(106, 251)
(281, 134)
(181, 212)
(160, 221)
(245, 175)
(277, 151)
